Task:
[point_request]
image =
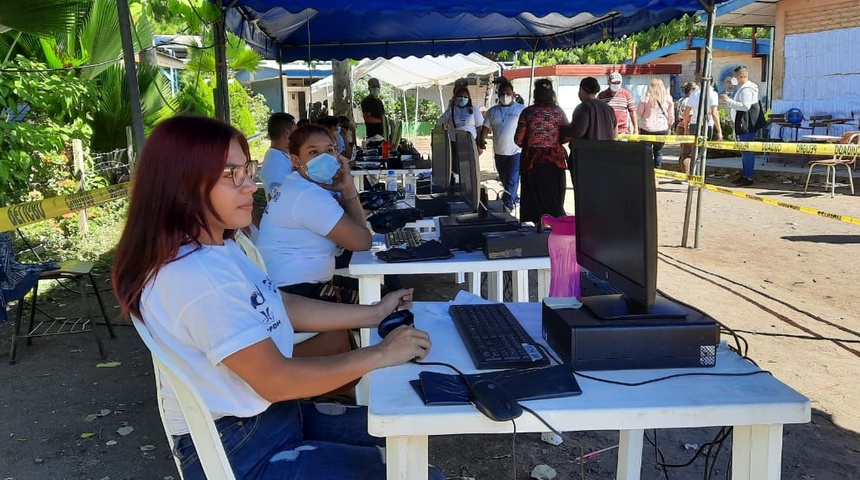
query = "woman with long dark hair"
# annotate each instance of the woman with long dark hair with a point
(461, 115)
(221, 320)
(543, 160)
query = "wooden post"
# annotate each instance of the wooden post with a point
(80, 170)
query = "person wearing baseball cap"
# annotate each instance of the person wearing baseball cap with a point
(621, 101)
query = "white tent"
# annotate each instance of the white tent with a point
(412, 72)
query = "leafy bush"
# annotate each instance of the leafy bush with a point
(55, 106)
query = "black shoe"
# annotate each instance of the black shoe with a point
(738, 180)
(744, 182)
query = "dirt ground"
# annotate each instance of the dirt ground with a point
(787, 280)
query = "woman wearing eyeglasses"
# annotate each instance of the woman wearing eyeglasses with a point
(224, 324)
(315, 211)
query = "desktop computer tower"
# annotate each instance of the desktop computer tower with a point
(466, 231)
(586, 342)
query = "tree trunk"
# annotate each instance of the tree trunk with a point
(341, 72)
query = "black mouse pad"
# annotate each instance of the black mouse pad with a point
(524, 384)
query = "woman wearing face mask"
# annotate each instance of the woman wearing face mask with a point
(462, 115)
(315, 210)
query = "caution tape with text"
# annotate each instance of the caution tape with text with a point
(31, 212)
(760, 147)
(698, 181)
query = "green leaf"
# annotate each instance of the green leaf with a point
(108, 364)
(88, 434)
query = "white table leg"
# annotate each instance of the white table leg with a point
(495, 286)
(542, 284)
(520, 280)
(369, 292)
(406, 458)
(475, 283)
(369, 289)
(357, 181)
(757, 452)
(461, 278)
(629, 454)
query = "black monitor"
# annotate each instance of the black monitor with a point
(467, 158)
(616, 227)
(440, 151)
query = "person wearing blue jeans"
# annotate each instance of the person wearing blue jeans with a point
(745, 95)
(508, 167)
(747, 158)
(221, 319)
(502, 120)
(296, 440)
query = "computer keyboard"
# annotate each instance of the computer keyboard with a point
(494, 337)
(408, 236)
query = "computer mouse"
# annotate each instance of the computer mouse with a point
(494, 401)
(396, 319)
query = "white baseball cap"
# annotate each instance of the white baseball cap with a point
(614, 77)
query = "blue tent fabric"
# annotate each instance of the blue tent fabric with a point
(297, 30)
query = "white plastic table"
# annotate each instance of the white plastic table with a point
(370, 271)
(757, 406)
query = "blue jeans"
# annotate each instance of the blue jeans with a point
(748, 158)
(296, 440)
(508, 167)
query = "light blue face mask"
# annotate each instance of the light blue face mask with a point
(374, 91)
(462, 101)
(322, 168)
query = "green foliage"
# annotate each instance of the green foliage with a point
(240, 114)
(62, 237)
(620, 50)
(259, 110)
(59, 103)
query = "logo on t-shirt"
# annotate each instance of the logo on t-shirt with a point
(258, 301)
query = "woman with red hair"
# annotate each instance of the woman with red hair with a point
(224, 323)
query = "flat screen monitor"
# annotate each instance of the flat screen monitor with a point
(467, 157)
(616, 227)
(440, 151)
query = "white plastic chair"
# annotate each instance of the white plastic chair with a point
(205, 436)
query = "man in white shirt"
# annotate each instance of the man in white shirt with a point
(502, 121)
(743, 99)
(276, 162)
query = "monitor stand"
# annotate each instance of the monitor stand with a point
(616, 307)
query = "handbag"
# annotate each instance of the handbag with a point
(750, 121)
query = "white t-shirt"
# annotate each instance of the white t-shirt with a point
(293, 232)
(462, 120)
(693, 103)
(503, 120)
(276, 166)
(205, 306)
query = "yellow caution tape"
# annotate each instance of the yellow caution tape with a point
(796, 148)
(827, 149)
(698, 181)
(694, 179)
(659, 138)
(31, 212)
(833, 216)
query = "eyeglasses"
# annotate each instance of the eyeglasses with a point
(240, 172)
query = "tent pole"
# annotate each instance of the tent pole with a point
(415, 130)
(281, 80)
(532, 77)
(130, 73)
(222, 96)
(700, 152)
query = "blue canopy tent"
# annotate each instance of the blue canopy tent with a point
(314, 30)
